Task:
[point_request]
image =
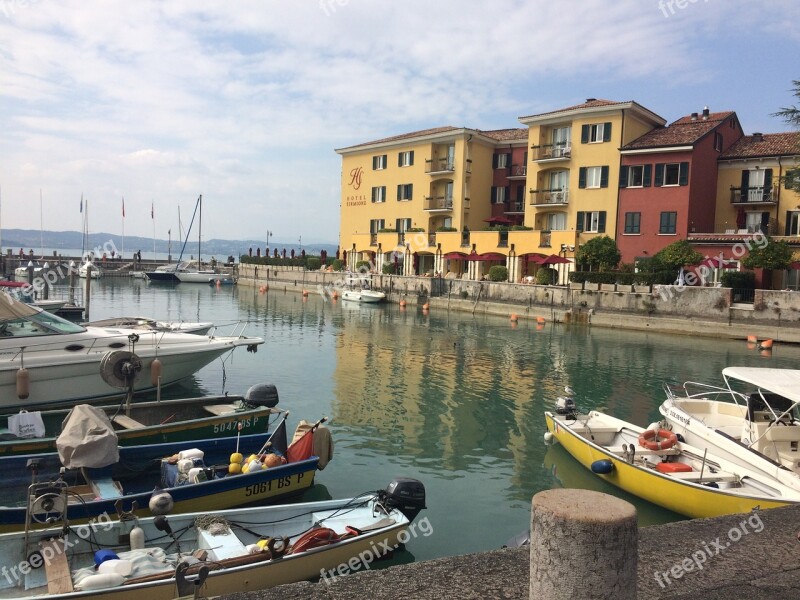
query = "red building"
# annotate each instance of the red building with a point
(509, 166)
(668, 182)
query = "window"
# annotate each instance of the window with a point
(448, 194)
(671, 174)
(635, 176)
(757, 221)
(402, 225)
(792, 222)
(405, 159)
(559, 181)
(500, 194)
(669, 222)
(405, 191)
(592, 221)
(561, 137)
(501, 161)
(379, 194)
(717, 141)
(556, 221)
(375, 225)
(592, 177)
(379, 162)
(597, 132)
(632, 220)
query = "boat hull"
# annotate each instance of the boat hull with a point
(196, 276)
(693, 501)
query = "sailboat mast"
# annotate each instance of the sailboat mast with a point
(199, 232)
(41, 225)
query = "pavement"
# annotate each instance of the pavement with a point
(752, 556)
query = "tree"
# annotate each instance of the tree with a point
(678, 254)
(599, 252)
(791, 115)
(774, 255)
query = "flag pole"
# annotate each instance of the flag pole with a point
(269, 439)
(123, 227)
(153, 219)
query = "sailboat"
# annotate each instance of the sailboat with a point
(194, 272)
(21, 273)
(84, 269)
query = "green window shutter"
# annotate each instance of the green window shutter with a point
(745, 183)
(582, 177)
(410, 191)
(579, 224)
(584, 134)
(601, 222)
(788, 223)
(399, 191)
(648, 172)
(604, 176)
(399, 159)
(623, 177)
(508, 193)
(788, 178)
(767, 182)
(374, 164)
(683, 174)
(606, 132)
(493, 196)
(659, 178)
(494, 161)
(411, 158)
(374, 190)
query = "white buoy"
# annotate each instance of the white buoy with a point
(137, 538)
(548, 437)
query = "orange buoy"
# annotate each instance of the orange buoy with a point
(426, 306)
(402, 303)
(23, 383)
(155, 371)
(335, 294)
(765, 345)
(751, 339)
(540, 326)
(540, 320)
(514, 318)
(262, 289)
(305, 293)
(766, 353)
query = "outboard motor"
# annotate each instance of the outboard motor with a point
(565, 405)
(406, 495)
(265, 394)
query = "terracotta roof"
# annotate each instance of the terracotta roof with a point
(501, 135)
(769, 144)
(592, 103)
(404, 136)
(683, 132)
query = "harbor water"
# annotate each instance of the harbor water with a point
(452, 399)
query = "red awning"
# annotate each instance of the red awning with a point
(499, 220)
(455, 256)
(536, 258)
(795, 265)
(554, 259)
(489, 256)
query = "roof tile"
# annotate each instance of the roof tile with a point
(767, 144)
(683, 132)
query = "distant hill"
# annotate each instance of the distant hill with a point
(33, 239)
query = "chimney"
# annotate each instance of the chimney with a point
(705, 113)
(758, 137)
(694, 116)
(590, 100)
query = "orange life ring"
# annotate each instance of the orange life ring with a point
(663, 439)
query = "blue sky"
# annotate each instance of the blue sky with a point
(244, 102)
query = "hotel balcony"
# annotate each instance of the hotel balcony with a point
(515, 208)
(552, 152)
(549, 197)
(518, 172)
(438, 203)
(754, 195)
(445, 166)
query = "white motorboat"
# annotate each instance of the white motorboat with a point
(752, 421)
(163, 273)
(83, 270)
(21, 273)
(359, 289)
(207, 554)
(199, 328)
(64, 362)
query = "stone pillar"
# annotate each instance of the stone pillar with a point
(583, 545)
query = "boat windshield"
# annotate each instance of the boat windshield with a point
(22, 320)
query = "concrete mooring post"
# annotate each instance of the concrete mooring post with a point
(584, 544)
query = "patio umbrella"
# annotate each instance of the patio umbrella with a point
(455, 256)
(499, 220)
(489, 256)
(536, 258)
(554, 259)
(795, 265)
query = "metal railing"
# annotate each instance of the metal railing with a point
(753, 195)
(545, 197)
(552, 151)
(438, 203)
(440, 165)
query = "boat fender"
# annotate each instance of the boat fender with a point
(548, 437)
(191, 453)
(137, 538)
(100, 581)
(23, 383)
(185, 465)
(602, 467)
(254, 465)
(321, 536)
(121, 567)
(661, 439)
(155, 372)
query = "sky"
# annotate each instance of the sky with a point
(244, 102)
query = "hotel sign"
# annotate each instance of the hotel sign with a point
(355, 183)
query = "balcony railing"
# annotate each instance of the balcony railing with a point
(552, 152)
(549, 197)
(440, 165)
(753, 195)
(438, 203)
(516, 207)
(518, 172)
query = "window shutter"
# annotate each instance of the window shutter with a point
(410, 191)
(604, 176)
(399, 159)
(374, 190)
(659, 178)
(508, 160)
(683, 174)
(411, 158)
(648, 171)
(399, 191)
(493, 198)
(582, 177)
(521, 193)
(789, 178)
(767, 182)
(374, 167)
(606, 132)
(579, 224)
(507, 197)
(623, 177)
(745, 182)
(765, 223)
(584, 134)
(601, 222)
(788, 223)
(494, 160)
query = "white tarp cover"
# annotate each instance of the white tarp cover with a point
(87, 439)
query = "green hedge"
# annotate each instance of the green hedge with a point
(498, 273)
(739, 279)
(546, 276)
(623, 277)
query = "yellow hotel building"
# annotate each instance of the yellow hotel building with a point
(422, 200)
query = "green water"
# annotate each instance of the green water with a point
(454, 400)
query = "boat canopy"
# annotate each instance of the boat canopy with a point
(784, 382)
(11, 308)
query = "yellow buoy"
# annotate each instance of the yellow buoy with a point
(236, 457)
(155, 371)
(23, 383)
(235, 468)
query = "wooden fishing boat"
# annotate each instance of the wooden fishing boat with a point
(157, 422)
(48, 485)
(654, 466)
(211, 554)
